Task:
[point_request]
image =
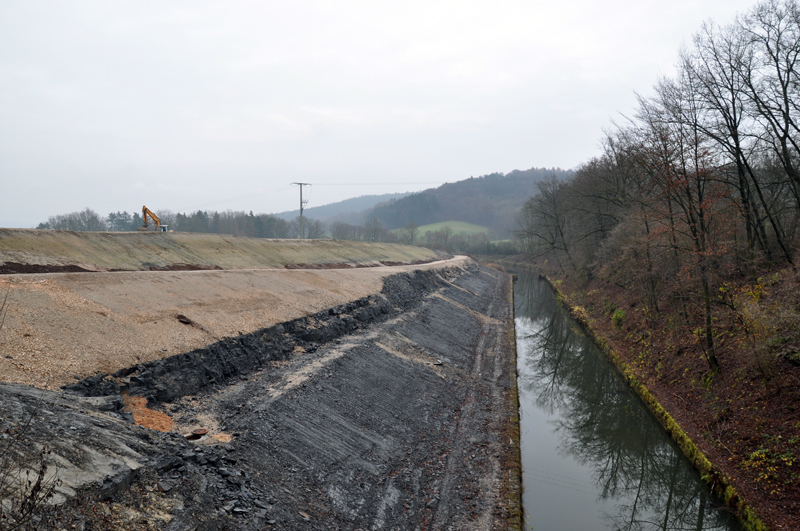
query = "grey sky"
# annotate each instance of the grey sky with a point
(218, 105)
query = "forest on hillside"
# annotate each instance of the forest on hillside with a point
(701, 185)
(491, 200)
(678, 247)
(351, 210)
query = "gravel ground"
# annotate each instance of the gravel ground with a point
(63, 327)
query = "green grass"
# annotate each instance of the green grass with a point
(457, 226)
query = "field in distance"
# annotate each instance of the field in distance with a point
(456, 226)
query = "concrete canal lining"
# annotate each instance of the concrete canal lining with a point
(394, 410)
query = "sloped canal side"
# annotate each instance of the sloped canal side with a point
(397, 419)
(592, 455)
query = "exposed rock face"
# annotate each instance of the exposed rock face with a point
(391, 411)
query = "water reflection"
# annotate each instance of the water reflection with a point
(588, 445)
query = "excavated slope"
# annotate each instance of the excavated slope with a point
(149, 250)
(353, 398)
(62, 327)
(394, 411)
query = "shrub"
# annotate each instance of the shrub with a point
(618, 317)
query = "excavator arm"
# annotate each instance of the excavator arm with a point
(147, 212)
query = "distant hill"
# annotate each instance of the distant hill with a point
(491, 200)
(347, 210)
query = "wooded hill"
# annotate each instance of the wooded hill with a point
(351, 210)
(679, 243)
(491, 200)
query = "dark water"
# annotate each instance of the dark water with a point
(592, 455)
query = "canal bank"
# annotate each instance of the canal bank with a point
(394, 411)
(588, 434)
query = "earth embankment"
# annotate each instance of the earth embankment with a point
(355, 398)
(60, 327)
(33, 250)
(394, 411)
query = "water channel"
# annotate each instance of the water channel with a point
(592, 455)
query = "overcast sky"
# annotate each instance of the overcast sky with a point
(220, 105)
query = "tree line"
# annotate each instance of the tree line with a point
(699, 185)
(269, 226)
(229, 222)
(237, 223)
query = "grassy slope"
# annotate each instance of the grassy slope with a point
(137, 250)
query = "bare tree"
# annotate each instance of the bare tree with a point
(315, 229)
(373, 230)
(167, 217)
(720, 56)
(691, 183)
(543, 222)
(85, 220)
(771, 79)
(408, 234)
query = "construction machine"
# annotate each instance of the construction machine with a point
(157, 226)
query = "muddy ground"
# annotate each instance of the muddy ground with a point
(393, 411)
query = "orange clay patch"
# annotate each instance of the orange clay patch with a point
(155, 420)
(221, 437)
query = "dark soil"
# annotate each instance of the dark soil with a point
(342, 265)
(186, 267)
(394, 411)
(15, 268)
(746, 418)
(171, 378)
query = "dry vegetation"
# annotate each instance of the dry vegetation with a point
(680, 243)
(744, 417)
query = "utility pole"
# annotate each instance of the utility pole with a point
(302, 204)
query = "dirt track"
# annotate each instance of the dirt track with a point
(64, 327)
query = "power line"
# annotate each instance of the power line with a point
(245, 196)
(282, 188)
(379, 184)
(302, 204)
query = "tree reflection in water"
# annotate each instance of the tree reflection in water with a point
(600, 424)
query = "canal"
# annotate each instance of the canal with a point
(592, 455)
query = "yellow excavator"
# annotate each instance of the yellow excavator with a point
(157, 226)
